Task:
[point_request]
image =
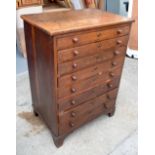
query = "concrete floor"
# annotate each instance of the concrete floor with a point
(21, 63)
(103, 136)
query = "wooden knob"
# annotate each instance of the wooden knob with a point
(105, 106)
(119, 31)
(76, 52)
(98, 45)
(74, 65)
(73, 90)
(75, 40)
(111, 74)
(99, 34)
(110, 85)
(73, 114)
(119, 42)
(71, 124)
(98, 58)
(117, 52)
(114, 63)
(108, 96)
(73, 102)
(99, 73)
(74, 78)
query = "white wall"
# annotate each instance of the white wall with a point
(130, 8)
(26, 10)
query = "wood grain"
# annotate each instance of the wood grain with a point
(75, 60)
(85, 38)
(90, 49)
(74, 20)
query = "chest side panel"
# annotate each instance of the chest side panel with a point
(41, 62)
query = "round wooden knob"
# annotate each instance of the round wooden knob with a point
(108, 96)
(71, 124)
(99, 45)
(74, 65)
(99, 34)
(75, 40)
(114, 63)
(73, 114)
(106, 106)
(119, 31)
(73, 102)
(73, 90)
(76, 52)
(99, 73)
(119, 42)
(117, 52)
(111, 74)
(110, 85)
(74, 77)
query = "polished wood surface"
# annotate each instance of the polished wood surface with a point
(74, 20)
(84, 74)
(90, 49)
(79, 87)
(40, 56)
(74, 70)
(78, 64)
(79, 39)
(71, 119)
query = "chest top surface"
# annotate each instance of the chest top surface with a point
(67, 21)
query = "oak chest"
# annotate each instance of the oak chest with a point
(75, 60)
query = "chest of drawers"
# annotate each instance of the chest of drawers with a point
(75, 60)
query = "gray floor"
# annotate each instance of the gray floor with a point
(103, 136)
(21, 63)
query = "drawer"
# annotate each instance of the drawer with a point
(82, 113)
(74, 40)
(73, 66)
(91, 49)
(79, 87)
(74, 100)
(90, 71)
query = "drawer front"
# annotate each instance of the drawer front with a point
(74, 100)
(73, 66)
(76, 116)
(79, 87)
(90, 37)
(90, 71)
(90, 49)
